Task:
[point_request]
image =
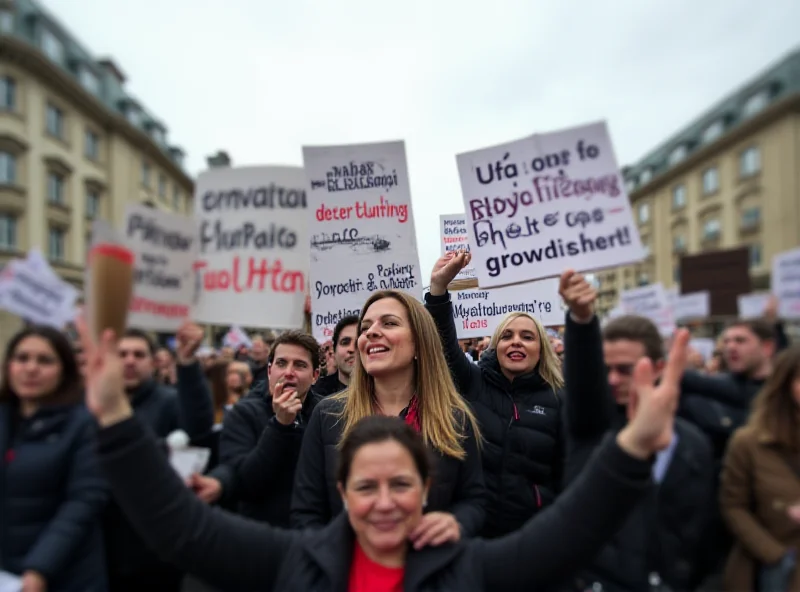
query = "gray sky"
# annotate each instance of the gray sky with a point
(261, 78)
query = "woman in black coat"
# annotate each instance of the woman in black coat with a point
(51, 492)
(383, 479)
(515, 391)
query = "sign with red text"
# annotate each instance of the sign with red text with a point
(252, 233)
(478, 312)
(548, 202)
(165, 248)
(453, 229)
(362, 229)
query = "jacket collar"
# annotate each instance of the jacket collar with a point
(332, 549)
(530, 382)
(142, 392)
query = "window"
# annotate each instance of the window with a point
(92, 203)
(55, 244)
(750, 162)
(177, 156)
(755, 255)
(55, 121)
(6, 21)
(8, 232)
(679, 243)
(157, 134)
(630, 185)
(91, 145)
(644, 213)
(8, 93)
(678, 197)
(176, 199)
(713, 131)
(676, 274)
(146, 174)
(8, 168)
(89, 80)
(711, 229)
(755, 103)
(133, 115)
(162, 186)
(710, 180)
(751, 217)
(643, 279)
(52, 46)
(55, 188)
(677, 155)
(646, 175)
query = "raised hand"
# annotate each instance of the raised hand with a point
(651, 408)
(105, 389)
(188, 338)
(578, 295)
(446, 269)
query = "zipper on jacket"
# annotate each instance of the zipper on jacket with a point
(538, 495)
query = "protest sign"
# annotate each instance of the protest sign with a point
(478, 312)
(37, 295)
(753, 305)
(786, 283)
(453, 228)
(164, 245)
(539, 205)
(362, 229)
(252, 264)
(687, 307)
(650, 302)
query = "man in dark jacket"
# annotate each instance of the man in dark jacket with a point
(344, 354)
(259, 354)
(131, 565)
(665, 540)
(261, 436)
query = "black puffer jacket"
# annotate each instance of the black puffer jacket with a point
(521, 424)
(52, 497)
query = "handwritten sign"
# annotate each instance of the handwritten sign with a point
(252, 263)
(362, 229)
(687, 307)
(478, 312)
(650, 302)
(455, 237)
(544, 203)
(165, 249)
(786, 283)
(38, 296)
(753, 305)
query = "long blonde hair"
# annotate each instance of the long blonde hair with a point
(443, 413)
(549, 365)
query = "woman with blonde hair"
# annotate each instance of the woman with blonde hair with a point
(515, 392)
(399, 371)
(760, 485)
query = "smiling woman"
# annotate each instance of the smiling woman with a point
(400, 371)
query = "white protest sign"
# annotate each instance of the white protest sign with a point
(650, 302)
(252, 246)
(753, 305)
(236, 337)
(165, 248)
(362, 228)
(478, 312)
(704, 346)
(539, 205)
(786, 283)
(455, 237)
(685, 307)
(41, 298)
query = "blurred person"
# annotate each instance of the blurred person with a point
(259, 354)
(343, 347)
(165, 366)
(228, 383)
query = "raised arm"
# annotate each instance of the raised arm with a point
(195, 403)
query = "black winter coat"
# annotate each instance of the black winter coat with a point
(258, 457)
(163, 410)
(52, 496)
(458, 485)
(243, 555)
(523, 451)
(328, 385)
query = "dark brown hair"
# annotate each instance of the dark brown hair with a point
(300, 339)
(639, 329)
(132, 333)
(375, 429)
(70, 387)
(217, 374)
(775, 415)
(763, 329)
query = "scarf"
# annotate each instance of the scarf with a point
(412, 415)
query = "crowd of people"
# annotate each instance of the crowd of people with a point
(398, 457)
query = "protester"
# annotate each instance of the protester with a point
(515, 392)
(228, 382)
(51, 492)
(343, 348)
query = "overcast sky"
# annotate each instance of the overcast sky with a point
(261, 78)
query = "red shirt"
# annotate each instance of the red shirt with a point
(368, 576)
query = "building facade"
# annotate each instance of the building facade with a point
(730, 179)
(74, 146)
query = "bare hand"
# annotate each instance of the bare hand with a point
(286, 404)
(207, 489)
(33, 581)
(578, 294)
(651, 409)
(446, 269)
(435, 528)
(188, 338)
